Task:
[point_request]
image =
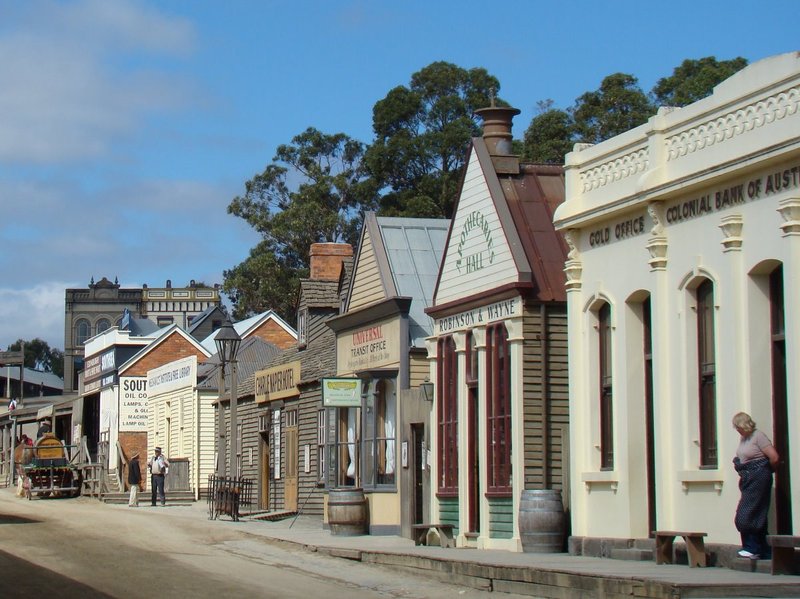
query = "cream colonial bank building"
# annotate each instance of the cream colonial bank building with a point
(683, 282)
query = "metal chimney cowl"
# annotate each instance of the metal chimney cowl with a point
(497, 125)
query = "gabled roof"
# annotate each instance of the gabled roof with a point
(162, 335)
(203, 316)
(524, 202)
(408, 252)
(245, 327)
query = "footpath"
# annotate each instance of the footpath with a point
(561, 576)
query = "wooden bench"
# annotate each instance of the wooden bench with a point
(695, 546)
(783, 558)
(445, 532)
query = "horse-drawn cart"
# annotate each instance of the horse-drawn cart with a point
(49, 473)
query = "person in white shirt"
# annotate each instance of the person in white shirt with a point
(158, 466)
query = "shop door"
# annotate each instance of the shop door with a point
(780, 412)
(418, 436)
(263, 474)
(290, 483)
(652, 525)
(473, 459)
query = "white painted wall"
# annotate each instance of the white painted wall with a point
(749, 129)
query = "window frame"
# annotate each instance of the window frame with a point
(706, 373)
(605, 386)
(82, 322)
(447, 417)
(498, 412)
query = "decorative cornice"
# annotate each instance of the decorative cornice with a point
(657, 213)
(756, 115)
(572, 237)
(732, 230)
(574, 270)
(789, 209)
(657, 246)
(622, 167)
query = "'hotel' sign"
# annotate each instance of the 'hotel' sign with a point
(278, 382)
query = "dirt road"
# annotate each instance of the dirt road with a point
(82, 548)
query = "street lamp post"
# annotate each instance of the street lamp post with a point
(228, 341)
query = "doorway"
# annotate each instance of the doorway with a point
(418, 492)
(473, 459)
(649, 417)
(290, 491)
(263, 444)
(780, 412)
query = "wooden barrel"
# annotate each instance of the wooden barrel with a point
(347, 511)
(541, 521)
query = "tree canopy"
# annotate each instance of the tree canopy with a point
(693, 80)
(549, 136)
(314, 190)
(422, 132)
(40, 356)
(618, 105)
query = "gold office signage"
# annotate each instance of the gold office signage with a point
(278, 382)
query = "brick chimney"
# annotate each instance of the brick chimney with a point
(326, 260)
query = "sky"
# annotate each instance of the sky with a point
(127, 126)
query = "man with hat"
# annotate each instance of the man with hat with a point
(134, 480)
(158, 466)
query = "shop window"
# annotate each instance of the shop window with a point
(447, 416)
(498, 408)
(82, 331)
(345, 447)
(606, 388)
(707, 374)
(321, 446)
(380, 417)
(302, 326)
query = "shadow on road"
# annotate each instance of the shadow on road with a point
(9, 519)
(20, 578)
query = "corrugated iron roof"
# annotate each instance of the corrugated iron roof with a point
(414, 248)
(532, 198)
(253, 354)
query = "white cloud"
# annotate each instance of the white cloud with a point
(34, 312)
(77, 76)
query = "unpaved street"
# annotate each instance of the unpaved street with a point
(82, 548)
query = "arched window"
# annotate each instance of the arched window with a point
(82, 331)
(707, 373)
(606, 390)
(103, 324)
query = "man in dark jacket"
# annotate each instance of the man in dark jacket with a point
(134, 480)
